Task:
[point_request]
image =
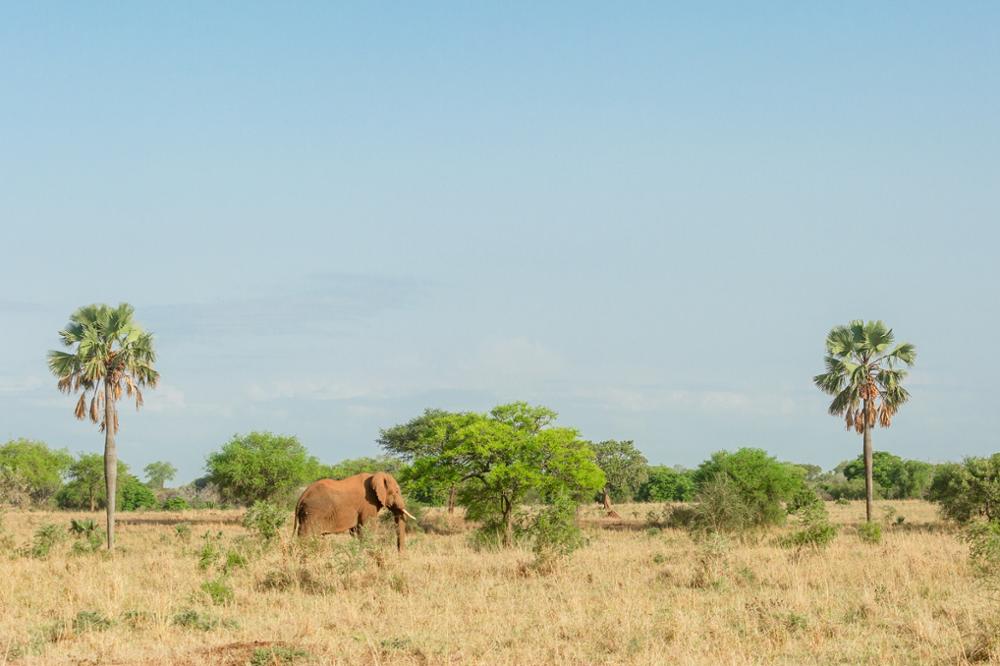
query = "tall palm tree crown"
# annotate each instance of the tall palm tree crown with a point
(864, 376)
(112, 356)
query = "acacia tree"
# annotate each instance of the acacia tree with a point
(427, 436)
(111, 356)
(863, 375)
(625, 469)
(497, 460)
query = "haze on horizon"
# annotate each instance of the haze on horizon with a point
(335, 217)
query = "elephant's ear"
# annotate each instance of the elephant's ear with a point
(380, 484)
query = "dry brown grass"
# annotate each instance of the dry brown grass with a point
(633, 596)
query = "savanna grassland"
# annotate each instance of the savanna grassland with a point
(196, 588)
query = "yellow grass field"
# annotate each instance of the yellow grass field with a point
(633, 595)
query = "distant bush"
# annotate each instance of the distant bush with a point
(870, 532)
(666, 484)
(968, 490)
(175, 503)
(760, 481)
(815, 529)
(87, 620)
(719, 508)
(265, 519)
(260, 466)
(984, 547)
(135, 495)
(218, 590)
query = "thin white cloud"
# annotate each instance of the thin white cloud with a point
(660, 399)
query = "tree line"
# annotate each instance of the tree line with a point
(489, 463)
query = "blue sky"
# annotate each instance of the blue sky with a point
(644, 217)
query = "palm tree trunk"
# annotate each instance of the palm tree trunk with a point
(110, 462)
(868, 465)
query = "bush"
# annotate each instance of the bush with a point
(260, 466)
(984, 547)
(761, 482)
(89, 538)
(554, 532)
(265, 519)
(720, 508)
(134, 495)
(968, 490)
(175, 503)
(666, 484)
(815, 530)
(46, 537)
(870, 532)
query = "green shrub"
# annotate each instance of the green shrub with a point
(804, 497)
(135, 495)
(760, 482)
(719, 508)
(89, 537)
(218, 590)
(968, 490)
(175, 503)
(553, 532)
(46, 537)
(189, 618)
(276, 655)
(870, 532)
(815, 529)
(234, 560)
(183, 531)
(265, 519)
(87, 620)
(984, 547)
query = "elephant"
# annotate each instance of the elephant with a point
(331, 506)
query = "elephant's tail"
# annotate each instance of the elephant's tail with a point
(295, 519)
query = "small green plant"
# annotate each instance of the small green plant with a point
(234, 560)
(136, 619)
(276, 655)
(870, 532)
(82, 527)
(208, 554)
(175, 503)
(265, 519)
(815, 529)
(189, 618)
(218, 590)
(841, 501)
(183, 531)
(46, 537)
(87, 620)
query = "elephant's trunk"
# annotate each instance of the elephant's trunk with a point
(400, 532)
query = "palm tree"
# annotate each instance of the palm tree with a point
(862, 374)
(111, 356)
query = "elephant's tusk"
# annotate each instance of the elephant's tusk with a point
(409, 514)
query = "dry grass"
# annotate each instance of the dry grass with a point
(634, 595)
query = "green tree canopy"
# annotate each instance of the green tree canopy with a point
(500, 459)
(158, 473)
(85, 488)
(624, 467)
(667, 484)
(36, 466)
(968, 490)
(427, 437)
(352, 466)
(260, 466)
(895, 478)
(761, 481)
(111, 356)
